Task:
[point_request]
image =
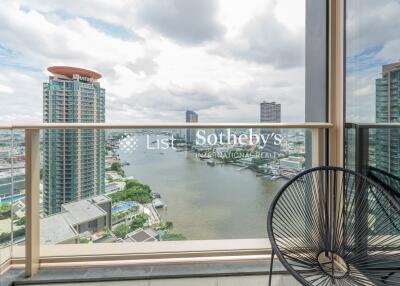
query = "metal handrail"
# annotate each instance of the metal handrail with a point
(372, 125)
(294, 125)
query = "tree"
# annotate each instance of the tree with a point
(5, 208)
(5, 211)
(20, 221)
(139, 194)
(131, 183)
(116, 166)
(121, 231)
(165, 225)
(139, 221)
(173, 237)
(84, 240)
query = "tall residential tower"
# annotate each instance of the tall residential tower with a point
(387, 145)
(270, 112)
(74, 159)
(191, 117)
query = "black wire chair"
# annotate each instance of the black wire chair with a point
(332, 226)
(388, 181)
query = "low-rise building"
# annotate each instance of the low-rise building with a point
(89, 215)
(115, 187)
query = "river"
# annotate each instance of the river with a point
(204, 202)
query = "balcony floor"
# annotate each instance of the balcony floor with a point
(253, 273)
(278, 279)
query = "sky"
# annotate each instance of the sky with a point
(158, 58)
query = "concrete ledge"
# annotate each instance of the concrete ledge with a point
(160, 250)
(149, 272)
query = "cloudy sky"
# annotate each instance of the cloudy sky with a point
(373, 39)
(158, 58)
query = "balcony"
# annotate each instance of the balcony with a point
(245, 258)
(254, 250)
(133, 206)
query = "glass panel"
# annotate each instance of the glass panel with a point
(18, 201)
(372, 102)
(373, 79)
(148, 184)
(6, 194)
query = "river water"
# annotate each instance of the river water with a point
(204, 202)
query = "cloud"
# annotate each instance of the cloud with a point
(214, 102)
(370, 23)
(360, 94)
(265, 40)
(72, 41)
(145, 64)
(186, 21)
(6, 89)
(391, 50)
(18, 94)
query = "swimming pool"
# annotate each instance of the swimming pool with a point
(7, 200)
(123, 206)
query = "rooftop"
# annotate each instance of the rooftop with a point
(391, 67)
(99, 199)
(84, 210)
(55, 229)
(142, 235)
(70, 71)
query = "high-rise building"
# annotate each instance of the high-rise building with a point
(191, 117)
(270, 112)
(387, 144)
(74, 160)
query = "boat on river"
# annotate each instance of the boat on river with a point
(157, 203)
(211, 163)
(204, 157)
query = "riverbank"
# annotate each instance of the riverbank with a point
(134, 208)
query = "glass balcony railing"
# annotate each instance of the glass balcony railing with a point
(12, 184)
(147, 183)
(373, 149)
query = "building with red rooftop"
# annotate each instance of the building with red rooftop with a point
(74, 160)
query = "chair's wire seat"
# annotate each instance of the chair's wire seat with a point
(331, 226)
(388, 181)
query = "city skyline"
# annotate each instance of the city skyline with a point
(166, 70)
